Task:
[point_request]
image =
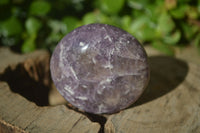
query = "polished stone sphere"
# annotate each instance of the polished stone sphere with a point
(100, 68)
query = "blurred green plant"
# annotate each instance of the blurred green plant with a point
(33, 24)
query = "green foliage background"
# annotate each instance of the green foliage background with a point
(26, 25)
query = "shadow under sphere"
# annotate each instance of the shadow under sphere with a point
(166, 74)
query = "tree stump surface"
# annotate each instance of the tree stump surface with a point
(171, 102)
(20, 77)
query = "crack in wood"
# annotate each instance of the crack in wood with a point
(92, 117)
(75, 124)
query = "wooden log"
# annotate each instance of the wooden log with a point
(24, 82)
(170, 104)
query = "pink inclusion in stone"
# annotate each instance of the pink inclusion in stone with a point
(100, 68)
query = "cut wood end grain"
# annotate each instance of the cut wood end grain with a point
(171, 103)
(25, 78)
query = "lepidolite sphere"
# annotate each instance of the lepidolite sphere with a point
(99, 68)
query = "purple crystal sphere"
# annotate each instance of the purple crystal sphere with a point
(100, 68)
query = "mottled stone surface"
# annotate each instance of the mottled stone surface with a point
(99, 68)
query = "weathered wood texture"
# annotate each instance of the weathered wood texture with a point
(170, 104)
(25, 78)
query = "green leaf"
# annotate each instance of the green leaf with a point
(163, 47)
(126, 22)
(10, 27)
(183, 1)
(103, 18)
(32, 25)
(89, 18)
(54, 37)
(136, 27)
(29, 45)
(179, 12)
(198, 6)
(136, 4)
(57, 26)
(58, 30)
(173, 38)
(112, 6)
(39, 8)
(4, 2)
(97, 17)
(143, 29)
(170, 4)
(189, 30)
(70, 22)
(192, 12)
(165, 24)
